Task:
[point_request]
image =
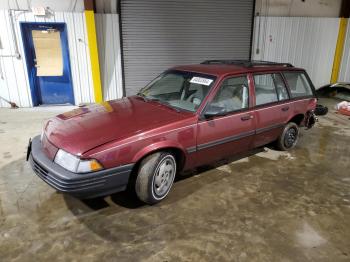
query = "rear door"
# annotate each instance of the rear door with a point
(221, 136)
(272, 107)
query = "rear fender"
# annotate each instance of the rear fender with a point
(312, 104)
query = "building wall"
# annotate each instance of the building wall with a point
(14, 84)
(107, 27)
(313, 8)
(344, 74)
(107, 6)
(58, 6)
(102, 6)
(306, 42)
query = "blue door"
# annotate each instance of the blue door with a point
(47, 58)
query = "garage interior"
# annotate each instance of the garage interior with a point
(266, 205)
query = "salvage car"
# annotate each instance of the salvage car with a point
(187, 117)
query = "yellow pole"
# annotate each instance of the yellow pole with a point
(93, 49)
(339, 50)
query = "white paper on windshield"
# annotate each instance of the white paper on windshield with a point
(201, 80)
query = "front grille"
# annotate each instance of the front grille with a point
(42, 172)
(63, 185)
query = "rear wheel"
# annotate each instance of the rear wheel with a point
(289, 137)
(155, 177)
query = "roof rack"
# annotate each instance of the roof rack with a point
(246, 63)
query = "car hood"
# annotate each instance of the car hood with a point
(85, 128)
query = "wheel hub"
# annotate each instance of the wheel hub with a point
(164, 176)
(290, 137)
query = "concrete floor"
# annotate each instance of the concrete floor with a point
(270, 206)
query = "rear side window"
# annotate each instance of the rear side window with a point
(265, 90)
(298, 84)
(282, 92)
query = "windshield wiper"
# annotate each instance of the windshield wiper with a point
(147, 98)
(142, 96)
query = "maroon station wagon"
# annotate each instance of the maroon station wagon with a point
(188, 116)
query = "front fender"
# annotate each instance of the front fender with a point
(156, 147)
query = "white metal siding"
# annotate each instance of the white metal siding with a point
(14, 84)
(158, 34)
(107, 27)
(344, 75)
(306, 42)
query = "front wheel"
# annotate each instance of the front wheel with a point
(289, 137)
(155, 177)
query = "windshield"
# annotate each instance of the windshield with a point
(179, 89)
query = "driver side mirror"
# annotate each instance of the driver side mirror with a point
(212, 111)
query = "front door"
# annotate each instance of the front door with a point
(222, 136)
(47, 58)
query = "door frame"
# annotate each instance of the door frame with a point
(28, 47)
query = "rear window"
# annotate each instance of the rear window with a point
(298, 84)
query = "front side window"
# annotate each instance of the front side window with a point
(298, 84)
(233, 94)
(179, 89)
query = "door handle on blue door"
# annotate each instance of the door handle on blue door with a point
(246, 117)
(286, 108)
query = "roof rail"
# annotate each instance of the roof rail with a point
(246, 63)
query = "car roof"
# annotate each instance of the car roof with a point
(222, 69)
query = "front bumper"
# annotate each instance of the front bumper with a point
(87, 185)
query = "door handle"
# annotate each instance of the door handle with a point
(286, 108)
(246, 117)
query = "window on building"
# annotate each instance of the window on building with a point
(48, 52)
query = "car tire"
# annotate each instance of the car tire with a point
(289, 137)
(321, 110)
(155, 177)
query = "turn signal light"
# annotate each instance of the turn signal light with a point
(94, 165)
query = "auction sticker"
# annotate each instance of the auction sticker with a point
(201, 80)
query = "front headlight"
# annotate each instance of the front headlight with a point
(75, 164)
